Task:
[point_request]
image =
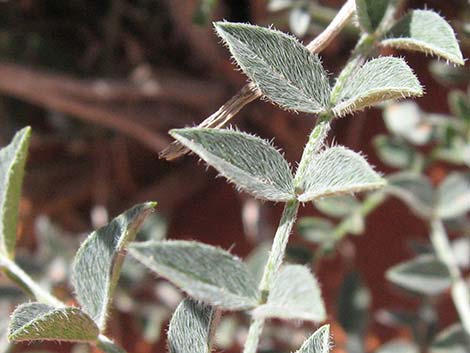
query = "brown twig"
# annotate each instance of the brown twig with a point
(101, 101)
(250, 92)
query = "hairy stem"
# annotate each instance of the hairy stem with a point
(26, 283)
(459, 291)
(250, 92)
(276, 256)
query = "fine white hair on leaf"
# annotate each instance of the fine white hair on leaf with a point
(249, 162)
(42, 322)
(428, 32)
(380, 79)
(280, 66)
(190, 328)
(336, 171)
(295, 295)
(318, 342)
(207, 273)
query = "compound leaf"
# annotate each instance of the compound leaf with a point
(12, 162)
(98, 262)
(336, 171)
(295, 294)
(190, 328)
(425, 31)
(319, 342)
(251, 163)
(453, 339)
(206, 273)
(370, 13)
(453, 196)
(35, 321)
(282, 68)
(376, 81)
(424, 274)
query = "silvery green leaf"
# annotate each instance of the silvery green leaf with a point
(35, 321)
(316, 229)
(206, 273)
(354, 223)
(376, 81)
(12, 162)
(294, 295)
(424, 274)
(425, 31)
(413, 189)
(299, 20)
(336, 171)
(405, 119)
(453, 196)
(394, 152)
(337, 206)
(251, 163)
(98, 262)
(190, 328)
(453, 339)
(319, 342)
(398, 346)
(370, 13)
(459, 104)
(282, 68)
(257, 260)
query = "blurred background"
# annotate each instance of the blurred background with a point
(101, 83)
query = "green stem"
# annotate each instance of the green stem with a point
(26, 283)
(459, 291)
(276, 256)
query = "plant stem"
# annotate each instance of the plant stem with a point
(25, 282)
(108, 346)
(276, 256)
(459, 291)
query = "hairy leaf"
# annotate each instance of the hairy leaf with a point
(319, 342)
(190, 328)
(425, 31)
(336, 171)
(453, 339)
(251, 163)
(370, 13)
(294, 295)
(257, 260)
(376, 81)
(206, 273)
(12, 162)
(97, 265)
(35, 321)
(413, 189)
(424, 274)
(453, 196)
(282, 68)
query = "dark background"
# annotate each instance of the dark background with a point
(101, 83)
